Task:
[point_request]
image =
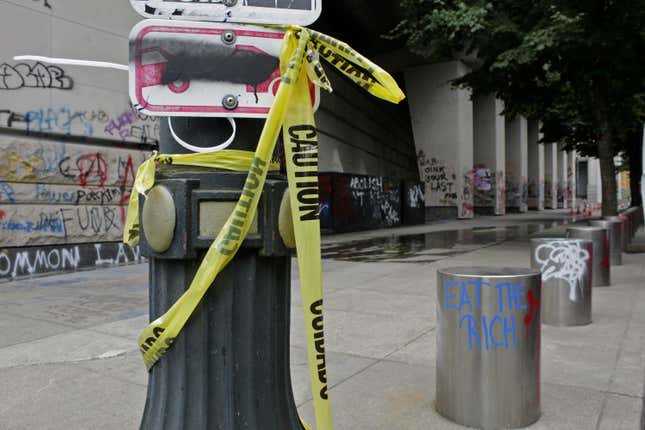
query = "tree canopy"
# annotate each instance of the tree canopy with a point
(574, 65)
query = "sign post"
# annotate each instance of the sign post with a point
(229, 366)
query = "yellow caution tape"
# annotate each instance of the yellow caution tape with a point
(292, 112)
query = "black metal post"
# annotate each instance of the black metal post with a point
(229, 367)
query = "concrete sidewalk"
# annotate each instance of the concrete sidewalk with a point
(69, 360)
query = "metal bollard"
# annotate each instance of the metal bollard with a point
(626, 231)
(630, 213)
(601, 261)
(615, 228)
(488, 346)
(229, 366)
(636, 215)
(566, 279)
(639, 218)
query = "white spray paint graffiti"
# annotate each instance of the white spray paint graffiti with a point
(15, 262)
(565, 260)
(416, 196)
(390, 214)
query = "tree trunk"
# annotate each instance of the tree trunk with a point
(608, 178)
(606, 155)
(636, 168)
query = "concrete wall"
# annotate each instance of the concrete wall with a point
(360, 134)
(69, 100)
(70, 142)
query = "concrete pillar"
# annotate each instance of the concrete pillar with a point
(535, 167)
(623, 194)
(594, 184)
(489, 155)
(572, 164)
(442, 122)
(562, 187)
(517, 165)
(550, 176)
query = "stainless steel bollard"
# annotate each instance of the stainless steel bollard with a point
(488, 346)
(600, 264)
(631, 214)
(625, 230)
(615, 228)
(566, 279)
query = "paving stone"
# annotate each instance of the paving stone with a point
(56, 397)
(586, 367)
(77, 345)
(126, 367)
(380, 338)
(16, 329)
(421, 351)
(629, 374)
(379, 303)
(621, 413)
(365, 335)
(339, 368)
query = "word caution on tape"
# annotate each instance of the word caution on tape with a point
(293, 114)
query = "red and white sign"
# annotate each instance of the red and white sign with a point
(191, 68)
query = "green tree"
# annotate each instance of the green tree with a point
(574, 65)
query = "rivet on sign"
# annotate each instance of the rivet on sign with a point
(230, 102)
(228, 37)
(230, 3)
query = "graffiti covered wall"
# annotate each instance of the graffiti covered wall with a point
(444, 187)
(70, 142)
(517, 193)
(355, 202)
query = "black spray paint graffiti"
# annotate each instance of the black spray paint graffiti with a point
(97, 219)
(82, 196)
(45, 3)
(189, 60)
(16, 262)
(440, 182)
(9, 118)
(38, 75)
